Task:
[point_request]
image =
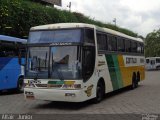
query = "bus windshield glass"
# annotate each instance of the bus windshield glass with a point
(54, 62)
(37, 64)
(64, 63)
(53, 36)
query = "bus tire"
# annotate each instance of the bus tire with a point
(100, 92)
(20, 85)
(138, 77)
(134, 81)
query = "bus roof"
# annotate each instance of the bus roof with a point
(81, 25)
(12, 39)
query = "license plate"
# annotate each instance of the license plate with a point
(30, 97)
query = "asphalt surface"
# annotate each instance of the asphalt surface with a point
(143, 100)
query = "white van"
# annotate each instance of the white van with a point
(152, 63)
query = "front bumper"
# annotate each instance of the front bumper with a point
(56, 94)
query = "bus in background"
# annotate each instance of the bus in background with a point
(11, 74)
(75, 62)
(153, 63)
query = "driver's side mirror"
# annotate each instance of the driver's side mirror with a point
(21, 57)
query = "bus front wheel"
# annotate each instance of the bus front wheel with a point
(20, 85)
(100, 92)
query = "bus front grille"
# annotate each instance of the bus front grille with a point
(48, 86)
(41, 85)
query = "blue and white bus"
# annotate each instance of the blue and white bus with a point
(11, 73)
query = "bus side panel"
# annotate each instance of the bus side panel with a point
(3, 72)
(120, 73)
(9, 72)
(114, 70)
(127, 71)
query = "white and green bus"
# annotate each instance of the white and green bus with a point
(75, 62)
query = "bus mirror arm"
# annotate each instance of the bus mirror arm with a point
(21, 60)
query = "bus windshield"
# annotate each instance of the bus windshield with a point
(65, 35)
(54, 62)
(64, 63)
(37, 64)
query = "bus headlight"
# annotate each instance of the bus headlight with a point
(77, 86)
(74, 86)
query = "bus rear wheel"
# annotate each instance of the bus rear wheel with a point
(100, 92)
(134, 81)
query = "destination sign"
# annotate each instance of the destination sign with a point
(60, 44)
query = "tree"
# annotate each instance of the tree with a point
(152, 44)
(18, 16)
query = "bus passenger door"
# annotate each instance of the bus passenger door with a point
(88, 62)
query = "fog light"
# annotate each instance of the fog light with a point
(29, 93)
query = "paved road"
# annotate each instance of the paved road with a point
(144, 99)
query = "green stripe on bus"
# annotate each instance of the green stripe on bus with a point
(56, 82)
(118, 72)
(114, 71)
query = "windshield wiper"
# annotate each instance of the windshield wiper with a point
(59, 74)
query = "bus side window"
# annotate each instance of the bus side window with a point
(142, 48)
(120, 45)
(8, 49)
(134, 47)
(147, 61)
(112, 43)
(153, 62)
(158, 60)
(89, 36)
(139, 48)
(2, 52)
(102, 42)
(127, 46)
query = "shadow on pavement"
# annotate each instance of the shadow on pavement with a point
(64, 105)
(9, 92)
(76, 106)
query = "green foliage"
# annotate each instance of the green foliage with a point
(85, 19)
(152, 44)
(18, 16)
